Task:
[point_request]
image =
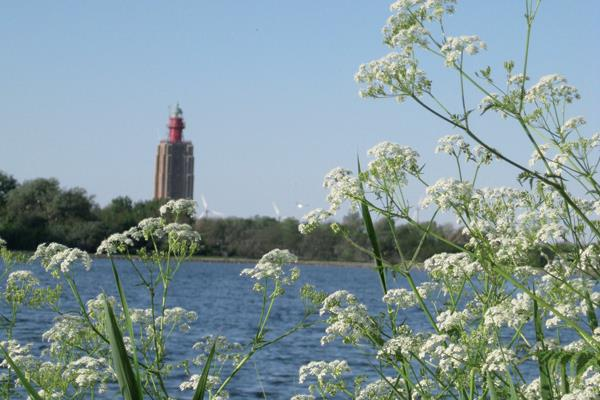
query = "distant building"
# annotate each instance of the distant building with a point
(174, 177)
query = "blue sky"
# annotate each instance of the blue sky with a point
(266, 88)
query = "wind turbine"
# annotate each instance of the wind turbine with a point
(207, 211)
(301, 205)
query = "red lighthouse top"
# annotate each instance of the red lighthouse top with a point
(176, 125)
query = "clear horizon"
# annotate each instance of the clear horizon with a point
(266, 89)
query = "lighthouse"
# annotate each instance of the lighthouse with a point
(174, 176)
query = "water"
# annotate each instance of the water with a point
(227, 306)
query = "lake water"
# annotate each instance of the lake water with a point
(226, 305)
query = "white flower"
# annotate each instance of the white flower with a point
(327, 374)
(115, 243)
(498, 360)
(447, 193)
(395, 75)
(20, 285)
(347, 318)
(551, 89)
(454, 47)
(2, 243)
(87, 372)
(182, 233)
(270, 266)
(312, 220)
(151, 228)
(572, 123)
(56, 257)
(382, 389)
(449, 320)
(391, 164)
(342, 186)
(179, 207)
(404, 344)
(452, 144)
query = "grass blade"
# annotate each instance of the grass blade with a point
(24, 381)
(201, 388)
(366, 215)
(130, 386)
(128, 322)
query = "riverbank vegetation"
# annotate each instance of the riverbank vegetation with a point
(41, 211)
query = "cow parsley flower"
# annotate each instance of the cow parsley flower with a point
(454, 47)
(383, 388)
(498, 360)
(552, 89)
(88, 372)
(270, 266)
(179, 207)
(55, 257)
(447, 193)
(20, 287)
(342, 187)
(327, 374)
(395, 74)
(115, 243)
(391, 164)
(404, 344)
(347, 317)
(312, 220)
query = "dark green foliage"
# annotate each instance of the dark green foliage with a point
(39, 211)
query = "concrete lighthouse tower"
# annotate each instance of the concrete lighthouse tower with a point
(174, 177)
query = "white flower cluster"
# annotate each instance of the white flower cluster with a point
(20, 354)
(2, 243)
(404, 344)
(115, 243)
(552, 89)
(56, 257)
(348, 318)
(396, 75)
(179, 207)
(455, 47)
(89, 372)
(391, 164)
(498, 360)
(451, 267)
(176, 317)
(512, 312)
(312, 220)
(19, 286)
(182, 233)
(448, 193)
(456, 146)
(327, 374)
(449, 356)
(384, 388)
(155, 229)
(405, 29)
(270, 266)
(212, 382)
(449, 320)
(405, 298)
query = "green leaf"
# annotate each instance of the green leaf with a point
(24, 381)
(128, 322)
(130, 386)
(201, 388)
(366, 215)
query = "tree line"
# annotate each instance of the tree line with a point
(40, 210)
